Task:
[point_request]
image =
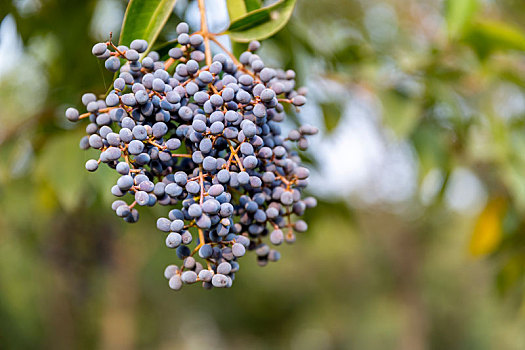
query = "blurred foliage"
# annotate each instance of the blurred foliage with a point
(448, 78)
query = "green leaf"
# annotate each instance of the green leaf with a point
(163, 48)
(512, 174)
(402, 113)
(102, 181)
(144, 19)
(238, 48)
(252, 5)
(236, 9)
(489, 36)
(61, 166)
(262, 23)
(332, 112)
(431, 146)
(511, 274)
(459, 13)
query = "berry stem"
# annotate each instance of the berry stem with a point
(115, 48)
(237, 159)
(201, 183)
(205, 33)
(201, 237)
(103, 110)
(201, 243)
(168, 63)
(227, 165)
(283, 179)
(289, 225)
(223, 48)
(231, 55)
(157, 145)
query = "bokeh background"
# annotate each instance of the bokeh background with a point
(417, 242)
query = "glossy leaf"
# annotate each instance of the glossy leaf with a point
(262, 23)
(236, 9)
(238, 48)
(252, 5)
(163, 48)
(144, 19)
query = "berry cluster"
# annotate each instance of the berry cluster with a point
(202, 135)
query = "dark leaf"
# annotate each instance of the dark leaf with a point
(262, 23)
(332, 112)
(144, 19)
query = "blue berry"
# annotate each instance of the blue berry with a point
(238, 249)
(112, 64)
(99, 49)
(173, 240)
(139, 45)
(219, 281)
(205, 251)
(175, 282)
(91, 165)
(72, 114)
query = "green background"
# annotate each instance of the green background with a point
(427, 269)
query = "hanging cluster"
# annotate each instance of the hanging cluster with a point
(202, 136)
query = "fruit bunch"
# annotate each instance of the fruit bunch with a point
(202, 136)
